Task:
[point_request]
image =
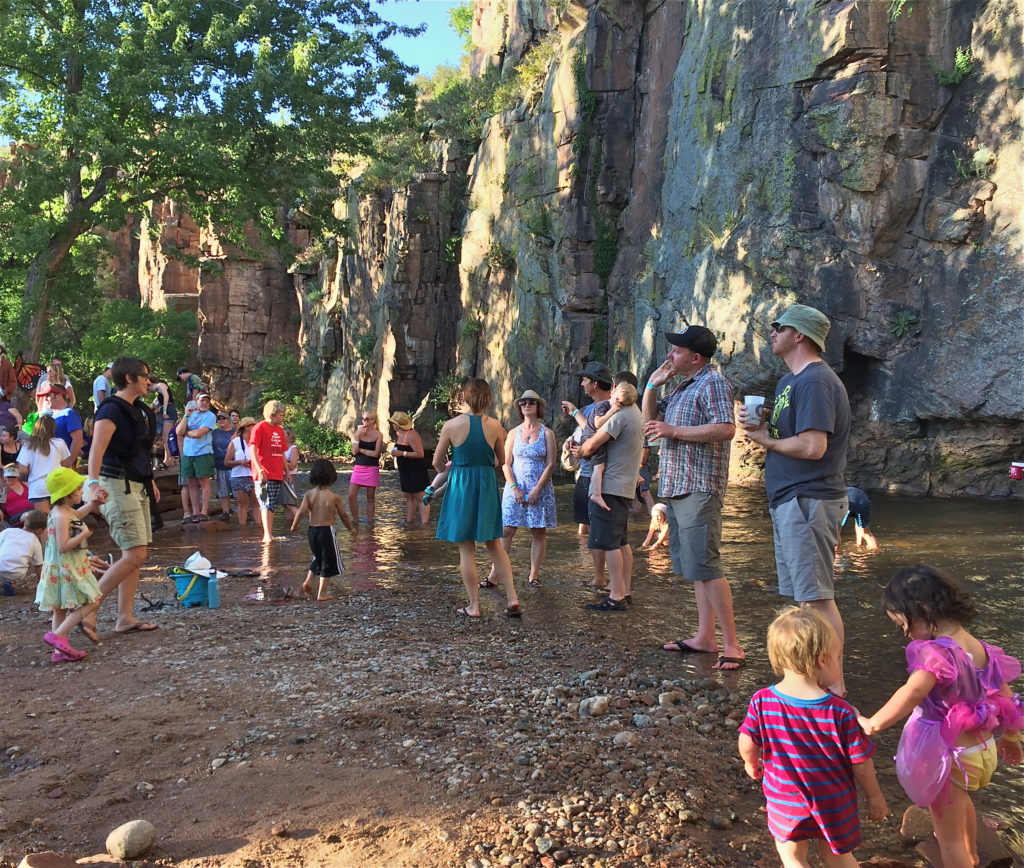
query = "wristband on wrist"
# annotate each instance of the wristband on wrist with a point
(651, 385)
(89, 482)
(515, 485)
(1012, 737)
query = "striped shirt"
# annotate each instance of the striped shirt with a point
(808, 750)
(704, 399)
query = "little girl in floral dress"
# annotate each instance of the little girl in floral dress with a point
(67, 581)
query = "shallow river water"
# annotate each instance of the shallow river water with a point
(978, 541)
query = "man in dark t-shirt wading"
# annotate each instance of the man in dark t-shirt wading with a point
(806, 436)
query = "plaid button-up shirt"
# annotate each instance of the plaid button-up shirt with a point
(704, 399)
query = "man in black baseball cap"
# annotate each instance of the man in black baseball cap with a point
(695, 426)
(697, 338)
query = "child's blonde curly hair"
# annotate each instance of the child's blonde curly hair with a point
(797, 640)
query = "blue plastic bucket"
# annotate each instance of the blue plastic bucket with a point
(190, 587)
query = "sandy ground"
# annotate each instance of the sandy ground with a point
(378, 729)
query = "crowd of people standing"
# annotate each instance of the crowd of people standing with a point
(687, 411)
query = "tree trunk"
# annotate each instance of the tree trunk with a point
(39, 283)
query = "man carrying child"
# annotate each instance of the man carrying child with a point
(621, 438)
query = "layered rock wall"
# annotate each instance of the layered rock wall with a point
(246, 302)
(708, 162)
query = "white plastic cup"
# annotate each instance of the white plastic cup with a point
(753, 403)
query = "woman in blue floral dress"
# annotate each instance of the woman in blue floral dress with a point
(529, 497)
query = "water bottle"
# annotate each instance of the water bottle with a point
(213, 592)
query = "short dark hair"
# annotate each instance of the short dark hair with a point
(125, 367)
(34, 519)
(322, 473)
(626, 377)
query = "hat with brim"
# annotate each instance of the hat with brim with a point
(11, 471)
(245, 422)
(401, 419)
(659, 507)
(202, 395)
(696, 338)
(809, 321)
(62, 482)
(51, 389)
(201, 566)
(596, 371)
(530, 395)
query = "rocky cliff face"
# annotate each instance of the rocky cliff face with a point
(246, 303)
(711, 163)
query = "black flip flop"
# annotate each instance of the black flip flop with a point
(684, 647)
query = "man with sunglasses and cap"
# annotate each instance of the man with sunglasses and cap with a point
(695, 425)
(596, 382)
(806, 436)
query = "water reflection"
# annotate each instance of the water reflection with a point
(975, 540)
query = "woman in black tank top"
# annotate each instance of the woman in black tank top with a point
(367, 444)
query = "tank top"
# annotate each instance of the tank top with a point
(367, 460)
(241, 454)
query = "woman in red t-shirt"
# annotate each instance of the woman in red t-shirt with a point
(268, 444)
(16, 504)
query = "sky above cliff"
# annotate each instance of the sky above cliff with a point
(439, 44)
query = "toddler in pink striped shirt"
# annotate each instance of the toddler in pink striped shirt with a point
(806, 747)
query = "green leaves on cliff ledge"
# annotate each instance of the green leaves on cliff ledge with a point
(230, 109)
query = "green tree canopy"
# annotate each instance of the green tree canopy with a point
(231, 108)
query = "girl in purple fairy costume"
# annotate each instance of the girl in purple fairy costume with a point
(959, 705)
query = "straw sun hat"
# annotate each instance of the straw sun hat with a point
(401, 419)
(530, 395)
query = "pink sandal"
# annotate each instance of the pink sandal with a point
(61, 644)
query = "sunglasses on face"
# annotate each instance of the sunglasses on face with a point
(528, 402)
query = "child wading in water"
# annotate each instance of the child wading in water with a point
(805, 744)
(657, 533)
(322, 504)
(957, 697)
(67, 580)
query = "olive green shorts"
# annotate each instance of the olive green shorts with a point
(127, 513)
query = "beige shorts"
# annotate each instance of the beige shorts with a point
(127, 513)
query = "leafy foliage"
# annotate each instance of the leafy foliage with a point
(461, 20)
(230, 110)
(898, 7)
(902, 323)
(280, 377)
(979, 164)
(312, 438)
(962, 63)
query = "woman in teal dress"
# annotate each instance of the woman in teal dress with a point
(471, 511)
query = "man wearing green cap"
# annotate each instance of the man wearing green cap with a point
(806, 436)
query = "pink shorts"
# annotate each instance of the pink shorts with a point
(365, 475)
